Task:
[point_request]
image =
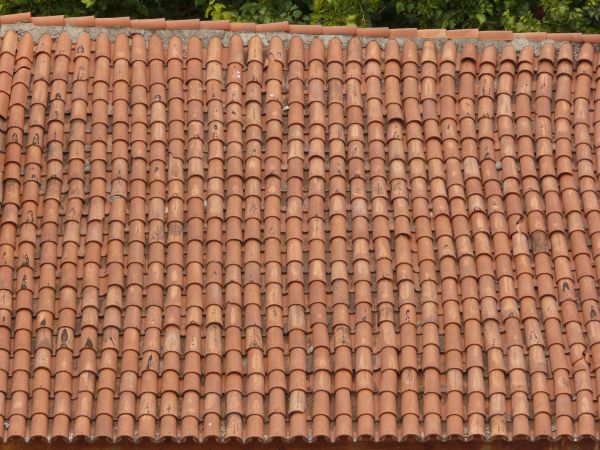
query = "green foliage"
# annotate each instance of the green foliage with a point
(344, 12)
(440, 13)
(571, 15)
(171, 9)
(103, 8)
(482, 14)
(43, 7)
(526, 22)
(258, 11)
(517, 15)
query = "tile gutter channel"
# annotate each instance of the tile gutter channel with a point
(37, 31)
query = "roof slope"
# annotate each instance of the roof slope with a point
(277, 241)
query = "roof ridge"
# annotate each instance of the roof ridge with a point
(286, 27)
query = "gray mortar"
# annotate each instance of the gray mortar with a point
(205, 35)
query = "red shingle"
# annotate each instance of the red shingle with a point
(258, 240)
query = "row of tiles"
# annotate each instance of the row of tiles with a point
(285, 27)
(261, 242)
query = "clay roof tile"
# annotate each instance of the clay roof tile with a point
(255, 50)
(448, 52)
(374, 32)
(182, 24)
(345, 29)
(48, 21)
(547, 52)
(102, 45)
(586, 54)
(138, 51)
(240, 26)
(526, 55)
(121, 47)
(565, 52)
(272, 27)
(15, 18)
(392, 51)
(112, 22)
(306, 29)
(82, 21)
(469, 52)
(155, 49)
(434, 33)
(296, 50)
(489, 55)
(463, 34)
(316, 50)
(403, 33)
(25, 48)
(194, 49)
(259, 237)
(509, 54)
(496, 35)
(335, 51)
(148, 24)
(214, 24)
(409, 52)
(429, 53)
(591, 38)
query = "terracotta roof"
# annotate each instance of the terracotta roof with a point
(219, 240)
(285, 27)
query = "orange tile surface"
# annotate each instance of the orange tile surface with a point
(217, 240)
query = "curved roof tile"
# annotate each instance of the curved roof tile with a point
(263, 240)
(285, 27)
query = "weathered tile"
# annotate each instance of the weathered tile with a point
(350, 240)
